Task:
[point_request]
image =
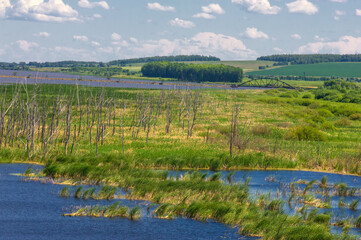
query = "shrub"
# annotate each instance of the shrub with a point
(325, 113)
(307, 96)
(306, 133)
(328, 126)
(355, 116)
(261, 130)
(286, 95)
(343, 122)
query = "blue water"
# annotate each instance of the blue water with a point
(260, 185)
(32, 210)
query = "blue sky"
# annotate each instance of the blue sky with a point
(53, 30)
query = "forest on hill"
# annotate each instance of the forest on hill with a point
(72, 64)
(193, 72)
(311, 58)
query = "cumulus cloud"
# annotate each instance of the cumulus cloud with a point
(182, 23)
(115, 37)
(38, 10)
(204, 15)
(25, 45)
(213, 8)
(121, 43)
(87, 4)
(205, 43)
(96, 15)
(95, 44)
(133, 40)
(254, 33)
(4, 4)
(338, 13)
(158, 7)
(296, 36)
(302, 6)
(320, 39)
(209, 10)
(345, 45)
(358, 12)
(42, 34)
(277, 49)
(80, 38)
(259, 6)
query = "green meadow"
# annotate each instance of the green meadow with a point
(319, 70)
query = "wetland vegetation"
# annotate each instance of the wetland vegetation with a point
(119, 138)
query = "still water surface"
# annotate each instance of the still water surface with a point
(31, 210)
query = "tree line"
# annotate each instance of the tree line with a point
(311, 58)
(178, 58)
(73, 64)
(193, 72)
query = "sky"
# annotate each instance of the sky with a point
(91, 30)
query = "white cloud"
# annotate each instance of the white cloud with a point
(38, 10)
(182, 23)
(204, 15)
(259, 6)
(115, 37)
(254, 33)
(345, 45)
(4, 4)
(213, 8)
(208, 10)
(80, 38)
(95, 44)
(358, 12)
(278, 49)
(121, 43)
(96, 15)
(302, 6)
(205, 43)
(296, 36)
(42, 34)
(133, 40)
(158, 7)
(320, 39)
(87, 4)
(340, 13)
(25, 45)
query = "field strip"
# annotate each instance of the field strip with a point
(118, 81)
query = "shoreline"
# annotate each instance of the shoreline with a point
(230, 169)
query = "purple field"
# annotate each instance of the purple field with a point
(28, 77)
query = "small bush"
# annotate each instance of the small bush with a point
(343, 122)
(325, 113)
(286, 95)
(355, 116)
(307, 96)
(262, 130)
(272, 92)
(328, 126)
(306, 133)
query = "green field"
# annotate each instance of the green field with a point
(322, 69)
